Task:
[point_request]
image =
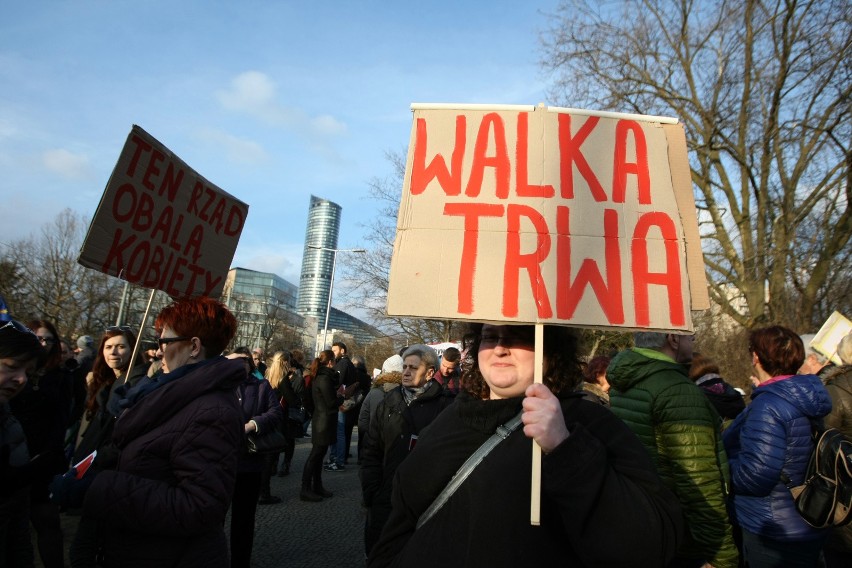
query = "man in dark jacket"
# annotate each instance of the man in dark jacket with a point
(651, 392)
(348, 377)
(399, 418)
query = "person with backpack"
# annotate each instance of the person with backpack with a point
(771, 441)
(838, 383)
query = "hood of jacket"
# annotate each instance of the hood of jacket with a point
(834, 373)
(804, 392)
(630, 367)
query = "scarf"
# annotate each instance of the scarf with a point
(411, 393)
(144, 388)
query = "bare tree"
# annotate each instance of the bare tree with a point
(41, 279)
(763, 90)
(367, 275)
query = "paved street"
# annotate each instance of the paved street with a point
(297, 534)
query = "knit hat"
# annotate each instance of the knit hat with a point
(392, 363)
(85, 341)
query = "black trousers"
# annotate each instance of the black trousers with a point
(243, 508)
(312, 474)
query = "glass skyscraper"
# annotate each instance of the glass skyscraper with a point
(315, 278)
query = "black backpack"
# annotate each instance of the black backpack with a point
(825, 498)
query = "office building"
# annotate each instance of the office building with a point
(317, 265)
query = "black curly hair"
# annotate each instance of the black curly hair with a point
(563, 369)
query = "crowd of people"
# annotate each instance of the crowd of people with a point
(649, 456)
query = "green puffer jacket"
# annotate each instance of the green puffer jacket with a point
(652, 394)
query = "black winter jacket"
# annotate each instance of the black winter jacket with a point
(324, 417)
(597, 484)
(165, 503)
(390, 439)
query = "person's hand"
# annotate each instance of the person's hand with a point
(251, 426)
(69, 492)
(542, 417)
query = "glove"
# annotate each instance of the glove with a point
(69, 492)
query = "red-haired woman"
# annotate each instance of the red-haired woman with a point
(323, 425)
(112, 375)
(44, 409)
(180, 436)
(770, 441)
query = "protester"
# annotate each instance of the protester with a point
(279, 374)
(448, 374)
(602, 504)
(680, 429)
(838, 383)
(389, 378)
(704, 372)
(20, 351)
(352, 408)
(323, 425)
(770, 441)
(815, 362)
(85, 354)
(347, 381)
(261, 413)
(112, 376)
(180, 436)
(394, 431)
(595, 387)
(259, 360)
(44, 408)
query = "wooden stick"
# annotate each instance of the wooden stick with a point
(139, 334)
(535, 490)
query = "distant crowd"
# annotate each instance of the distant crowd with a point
(649, 456)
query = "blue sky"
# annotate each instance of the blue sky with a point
(272, 101)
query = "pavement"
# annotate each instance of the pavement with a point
(300, 534)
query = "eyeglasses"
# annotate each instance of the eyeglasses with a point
(119, 328)
(17, 326)
(508, 341)
(163, 341)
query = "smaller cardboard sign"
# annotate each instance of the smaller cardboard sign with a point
(162, 225)
(835, 328)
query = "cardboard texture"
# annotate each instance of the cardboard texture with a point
(835, 328)
(538, 215)
(160, 224)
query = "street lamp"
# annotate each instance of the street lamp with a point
(331, 284)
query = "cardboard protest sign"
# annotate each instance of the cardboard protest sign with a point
(161, 225)
(547, 215)
(835, 328)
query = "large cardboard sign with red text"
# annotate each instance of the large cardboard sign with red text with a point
(543, 215)
(161, 225)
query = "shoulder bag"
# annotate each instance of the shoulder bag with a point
(503, 431)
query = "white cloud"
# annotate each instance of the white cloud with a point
(255, 94)
(238, 150)
(67, 164)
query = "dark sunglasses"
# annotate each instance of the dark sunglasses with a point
(489, 340)
(162, 341)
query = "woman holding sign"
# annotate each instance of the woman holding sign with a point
(179, 438)
(601, 501)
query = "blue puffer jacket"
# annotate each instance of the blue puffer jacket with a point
(770, 437)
